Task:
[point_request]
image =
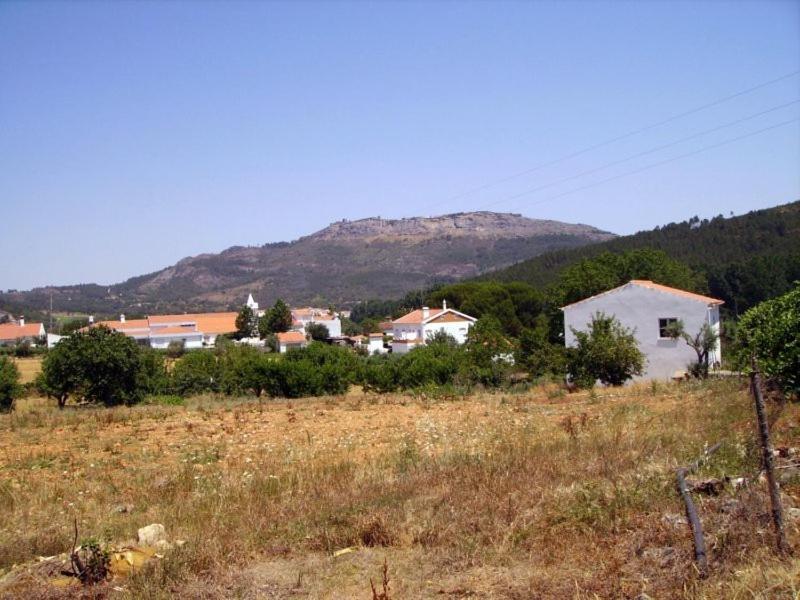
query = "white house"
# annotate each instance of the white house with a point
(374, 344)
(15, 333)
(195, 330)
(303, 316)
(413, 329)
(291, 339)
(648, 309)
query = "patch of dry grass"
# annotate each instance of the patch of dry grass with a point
(29, 368)
(535, 495)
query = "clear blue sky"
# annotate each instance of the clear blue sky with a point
(134, 134)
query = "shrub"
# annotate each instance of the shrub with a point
(241, 370)
(434, 363)
(335, 368)
(381, 374)
(153, 376)
(164, 400)
(540, 357)
(770, 331)
(23, 349)
(196, 372)
(10, 389)
(176, 349)
(608, 352)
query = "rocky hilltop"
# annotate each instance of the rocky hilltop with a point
(341, 264)
(484, 224)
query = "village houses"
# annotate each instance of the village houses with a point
(649, 310)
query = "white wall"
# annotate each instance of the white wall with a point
(190, 341)
(283, 347)
(401, 348)
(456, 329)
(407, 331)
(640, 308)
(375, 345)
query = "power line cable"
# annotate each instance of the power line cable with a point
(656, 164)
(640, 154)
(618, 138)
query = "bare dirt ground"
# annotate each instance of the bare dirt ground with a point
(532, 495)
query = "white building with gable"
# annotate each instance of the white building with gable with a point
(414, 329)
(648, 309)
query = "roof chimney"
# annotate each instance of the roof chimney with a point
(426, 312)
(122, 318)
(444, 304)
(22, 320)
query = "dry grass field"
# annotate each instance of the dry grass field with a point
(29, 368)
(531, 495)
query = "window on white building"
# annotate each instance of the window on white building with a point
(663, 326)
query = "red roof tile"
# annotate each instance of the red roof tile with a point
(646, 283)
(12, 331)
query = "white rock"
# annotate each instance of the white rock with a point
(150, 535)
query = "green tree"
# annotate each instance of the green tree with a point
(61, 375)
(276, 320)
(318, 331)
(487, 352)
(246, 322)
(770, 331)
(608, 351)
(703, 343)
(99, 365)
(537, 355)
(10, 389)
(608, 270)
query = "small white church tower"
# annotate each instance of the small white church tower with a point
(254, 306)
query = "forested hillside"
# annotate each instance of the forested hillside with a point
(742, 260)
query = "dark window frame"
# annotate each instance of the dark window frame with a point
(663, 323)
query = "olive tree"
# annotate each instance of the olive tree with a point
(703, 343)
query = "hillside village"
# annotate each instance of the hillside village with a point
(645, 308)
(400, 300)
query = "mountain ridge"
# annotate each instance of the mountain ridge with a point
(345, 262)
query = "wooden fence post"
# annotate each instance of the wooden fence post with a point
(766, 450)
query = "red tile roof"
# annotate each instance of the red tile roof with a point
(678, 292)
(646, 283)
(415, 316)
(12, 331)
(208, 323)
(291, 337)
(174, 330)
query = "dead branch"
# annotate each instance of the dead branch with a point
(384, 593)
(77, 565)
(700, 555)
(766, 451)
